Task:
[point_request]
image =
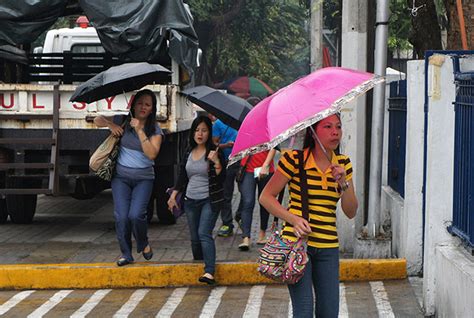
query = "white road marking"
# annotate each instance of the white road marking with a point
(132, 303)
(290, 309)
(381, 300)
(343, 310)
(254, 302)
(15, 300)
(50, 304)
(212, 303)
(90, 304)
(173, 301)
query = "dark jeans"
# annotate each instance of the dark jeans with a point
(130, 201)
(247, 189)
(201, 222)
(322, 274)
(226, 212)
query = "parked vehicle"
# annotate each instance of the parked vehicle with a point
(46, 141)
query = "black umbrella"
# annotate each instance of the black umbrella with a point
(228, 108)
(119, 79)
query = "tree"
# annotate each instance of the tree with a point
(268, 39)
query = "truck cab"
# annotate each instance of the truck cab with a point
(46, 141)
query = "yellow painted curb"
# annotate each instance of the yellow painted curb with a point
(107, 275)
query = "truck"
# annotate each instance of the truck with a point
(46, 140)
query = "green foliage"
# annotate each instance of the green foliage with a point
(268, 39)
(399, 26)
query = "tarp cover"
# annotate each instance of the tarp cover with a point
(133, 30)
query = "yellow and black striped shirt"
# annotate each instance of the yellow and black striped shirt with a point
(322, 196)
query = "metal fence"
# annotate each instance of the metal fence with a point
(463, 209)
(397, 107)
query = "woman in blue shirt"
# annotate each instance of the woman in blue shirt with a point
(132, 183)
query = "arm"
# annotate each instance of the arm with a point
(268, 199)
(349, 202)
(150, 145)
(180, 183)
(266, 164)
(102, 121)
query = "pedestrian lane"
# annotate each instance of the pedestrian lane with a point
(357, 299)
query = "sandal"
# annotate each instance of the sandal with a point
(148, 255)
(208, 279)
(123, 261)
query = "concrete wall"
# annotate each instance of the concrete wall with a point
(405, 215)
(354, 53)
(445, 264)
(455, 287)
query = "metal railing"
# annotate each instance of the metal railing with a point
(397, 107)
(463, 192)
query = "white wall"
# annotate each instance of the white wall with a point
(354, 53)
(406, 213)
(442, 256)
(411, 229)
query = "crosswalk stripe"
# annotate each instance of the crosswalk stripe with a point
(290, 309)
(212, 303)
(132, 303)
(93, 301)
(12, 302)
(254, 302)
(50, 304)
(173, 301)
(381, 300)
(343, 310)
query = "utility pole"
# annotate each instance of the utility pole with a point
(316, 60)
(380, 65)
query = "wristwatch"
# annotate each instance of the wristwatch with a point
(345, 185)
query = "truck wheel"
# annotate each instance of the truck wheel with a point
(21, 207)
(3, 211)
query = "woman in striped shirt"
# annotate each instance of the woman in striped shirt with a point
(329, 179)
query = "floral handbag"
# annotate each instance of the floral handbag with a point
(281, 259)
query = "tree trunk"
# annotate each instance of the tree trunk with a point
(426, 33)
(454, 32)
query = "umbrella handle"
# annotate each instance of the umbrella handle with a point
(320, 144)
(126, 100)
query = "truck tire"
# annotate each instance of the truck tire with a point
(3, 211)
(21, 207)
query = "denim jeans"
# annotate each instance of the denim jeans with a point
(247, 189)
(229, 182)
(201, 222)
(322, 274)
(131, 198)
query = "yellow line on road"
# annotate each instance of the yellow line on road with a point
(108, 275)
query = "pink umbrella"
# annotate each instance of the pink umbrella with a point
(297, 106)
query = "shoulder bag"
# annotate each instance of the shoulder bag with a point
(104, 158)
(281, 259)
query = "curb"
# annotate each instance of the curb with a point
(108, 275)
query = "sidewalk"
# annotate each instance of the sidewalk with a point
(72, 244)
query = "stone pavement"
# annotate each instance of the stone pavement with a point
(66, 230)
(72, 244)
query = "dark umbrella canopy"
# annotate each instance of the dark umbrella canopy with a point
(228, 108)
(119, 79)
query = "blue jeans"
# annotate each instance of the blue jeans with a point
(247, 189)
(131, 198)
(322, 274)
(201, 222)
(226, 212)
